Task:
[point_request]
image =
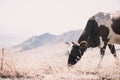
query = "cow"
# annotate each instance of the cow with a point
(102, 29)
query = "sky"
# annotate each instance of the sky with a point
(35, 17)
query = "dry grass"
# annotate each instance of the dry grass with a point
(50, 63)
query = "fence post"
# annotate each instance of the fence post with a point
(2, 58)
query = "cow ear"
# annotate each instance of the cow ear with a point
(83, 44)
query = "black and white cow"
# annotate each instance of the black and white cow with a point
(101, 30)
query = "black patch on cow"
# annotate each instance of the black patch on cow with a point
(104, 32)
(116, 25)
(91, 34)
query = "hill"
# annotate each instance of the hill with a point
(48, 39)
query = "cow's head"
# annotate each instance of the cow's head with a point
(76, 53)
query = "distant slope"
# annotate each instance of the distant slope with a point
(47, 39)
(70, 36)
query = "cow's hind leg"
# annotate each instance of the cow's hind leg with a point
(112, 49)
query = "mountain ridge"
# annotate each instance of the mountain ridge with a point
(48, 39)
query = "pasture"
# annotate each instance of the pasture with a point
(50, 63)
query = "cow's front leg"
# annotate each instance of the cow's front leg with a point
(102, 51)
(103, 44)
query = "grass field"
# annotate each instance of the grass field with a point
(50, 63)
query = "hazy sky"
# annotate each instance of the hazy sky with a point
(34, 17)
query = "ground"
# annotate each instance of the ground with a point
(50, 63)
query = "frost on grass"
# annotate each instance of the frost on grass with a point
(50, 63)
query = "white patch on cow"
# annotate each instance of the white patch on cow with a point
(103, 19)
(76, 60)
(114, 38)
(101, 42)
(78, 57)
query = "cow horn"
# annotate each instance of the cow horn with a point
(75, 43)
(78, 44)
